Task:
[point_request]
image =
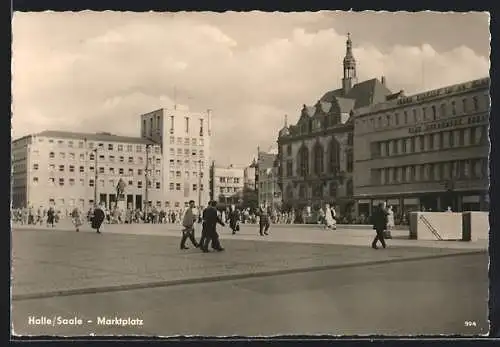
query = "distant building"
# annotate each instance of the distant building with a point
(67, 169)
(269, 192)
(316, 154)
(185, 140)
(249, 176)
(428, 150)
(227, 184)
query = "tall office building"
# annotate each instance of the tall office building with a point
(184, 137)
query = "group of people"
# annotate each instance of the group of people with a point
(209, 219)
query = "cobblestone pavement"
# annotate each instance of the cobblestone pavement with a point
(58, 262)
(425, 297)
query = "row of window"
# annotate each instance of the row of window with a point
(318, 157)
(198, 164)
(110, 146)
(430, 142)
(426, 113)
(178, 174)
(72, 181)
(229, 190)
(111, 158)
(350, 142)
(231, 180)
(186, 141)
(186, 152)
(111, 170)
(180, 186)
(462, 169)
(155, 124)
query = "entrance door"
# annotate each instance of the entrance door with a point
(103, 198)
(138, 202)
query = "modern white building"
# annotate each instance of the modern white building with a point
(227, 184)
(67, 169)
(184, 137)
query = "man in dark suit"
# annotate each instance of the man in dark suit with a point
(379, 220)
(209, 231)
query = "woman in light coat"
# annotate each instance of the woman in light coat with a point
(390, 222)
(330, 215)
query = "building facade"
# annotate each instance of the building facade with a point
(316, 154)
(426, 151)
(184, 137)
(249, 176)
(269, 192)
(66, 169)
(227, 184)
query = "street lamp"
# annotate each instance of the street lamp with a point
(146, 177)
(95, 175)
(200, 162)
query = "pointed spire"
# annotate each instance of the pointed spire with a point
(286, 120)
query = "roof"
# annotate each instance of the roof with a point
(106, 137)
(364, 93)
(345, 105)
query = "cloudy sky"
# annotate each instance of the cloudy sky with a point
(97, 71)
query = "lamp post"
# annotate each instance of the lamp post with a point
(95, 175)
(199, 182)
(146, 177)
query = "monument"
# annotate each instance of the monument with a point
(120, 195)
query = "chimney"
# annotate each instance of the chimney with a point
(383, 81)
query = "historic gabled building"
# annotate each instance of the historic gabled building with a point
(316, 154)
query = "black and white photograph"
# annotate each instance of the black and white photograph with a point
(250, 174)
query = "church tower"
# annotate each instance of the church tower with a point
(350, 78)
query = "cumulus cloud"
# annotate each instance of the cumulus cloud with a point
(99, 71)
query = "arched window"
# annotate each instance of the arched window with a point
(333, 189)
(303, 161)
(434, 113)
(289, 192)
(333, 156)
(318, 159)
(443, 110)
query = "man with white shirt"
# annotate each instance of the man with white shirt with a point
(190, 218)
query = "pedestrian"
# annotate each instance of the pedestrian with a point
(51, 215)
(379, 220)
(390, 223)
(76, 218)
(97, 218)
(330, 222)
(190, 217)
(234, 219)
(263, 220)
(209, 231)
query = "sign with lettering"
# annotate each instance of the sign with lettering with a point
(449, 123)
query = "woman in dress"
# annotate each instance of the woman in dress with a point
(234, 219)
(330, 222)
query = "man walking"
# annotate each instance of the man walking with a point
(263, 220)
(190, 217)
(209, 233)
(379, 220)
